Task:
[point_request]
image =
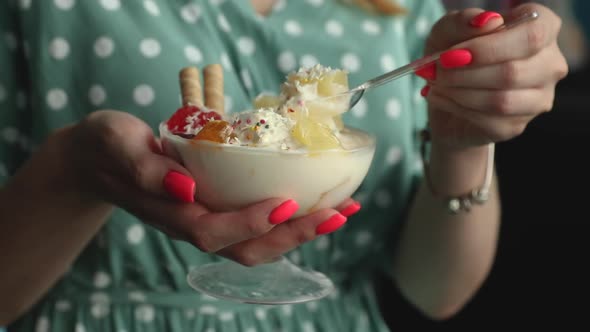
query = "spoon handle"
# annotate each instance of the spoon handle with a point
(427, 60)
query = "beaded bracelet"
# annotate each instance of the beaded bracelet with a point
(464, 202)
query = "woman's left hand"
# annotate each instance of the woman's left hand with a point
(488, 87)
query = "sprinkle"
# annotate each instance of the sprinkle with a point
(262, 121)
(291, 110)
(248, 121)
(267, 126)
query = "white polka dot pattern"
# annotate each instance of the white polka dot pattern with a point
(104, 47)
(145, 313)
(79, 327)
(110, 5)
(191, 13)
(59, 48)
(64, 4)
(193, 54)
(25, 4)
(393, 156)
(42, 325)
(371, 27)
(287, 61)
(152, 7)
(393, 108)
(56, 99)
(223, 23)
(101, 280)
(351, 62)
(308, 61)
(293, 28)
(246, 45)
(135, 234)
(144, 95)
(334, 28)
(150, 48)
(97, 95)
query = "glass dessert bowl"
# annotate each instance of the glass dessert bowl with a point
(289, 146)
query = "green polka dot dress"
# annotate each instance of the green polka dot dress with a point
(62, 59)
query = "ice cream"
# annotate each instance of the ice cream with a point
(305, 115)
(288, 145)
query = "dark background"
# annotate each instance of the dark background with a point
(538, 279)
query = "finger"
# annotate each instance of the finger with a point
(285, 237)
(517, 74)
(459, 26)
(161, 176)
(519, 102)
(348, 207)
(485, 127)
(519, 42)
(208, 231)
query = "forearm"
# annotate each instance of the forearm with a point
(44, 224)
(442, 259)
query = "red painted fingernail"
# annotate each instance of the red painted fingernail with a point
(283, 212)
(482, 19)
(351, 209)
(333, 223)
(456, 58)
(428, 73)
(180, 186)
(425, 90)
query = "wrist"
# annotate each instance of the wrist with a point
(457, 171)
(67, 173)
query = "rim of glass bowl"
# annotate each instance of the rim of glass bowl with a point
(164, 132)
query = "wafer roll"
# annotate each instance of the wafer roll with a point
(214, 97)
(190, 86)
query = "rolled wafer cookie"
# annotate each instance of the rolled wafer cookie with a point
(190, 86)
(214, 97)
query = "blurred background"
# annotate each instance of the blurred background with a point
(539, 278)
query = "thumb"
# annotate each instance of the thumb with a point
(459, 26)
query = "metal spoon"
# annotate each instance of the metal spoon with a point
(357, 92)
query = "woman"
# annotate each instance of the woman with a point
(79, 258)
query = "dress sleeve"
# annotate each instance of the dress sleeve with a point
(15, 128)
(421, 16)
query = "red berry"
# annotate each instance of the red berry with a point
(179, 120)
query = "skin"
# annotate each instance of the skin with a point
(441, 260)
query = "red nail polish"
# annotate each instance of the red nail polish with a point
(180, 186)
(425, 90)
(351, 209)
(333, 223)
(456, 58)
(482, 19)
(428, 73)
(283, 212)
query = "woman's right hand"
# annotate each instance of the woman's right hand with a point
(116, 158)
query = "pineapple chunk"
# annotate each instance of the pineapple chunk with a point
(267, 101)
(333, 83)
(314, 135)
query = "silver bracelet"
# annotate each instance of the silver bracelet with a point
(463, 202)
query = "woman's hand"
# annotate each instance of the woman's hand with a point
(487, 88)
(116, 158)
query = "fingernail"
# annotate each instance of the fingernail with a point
(333, 223)
(425, 90)
(456, 58)
(428, 73)
(283, 212)
(482, 19)
(351, 209)
(180, 186)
